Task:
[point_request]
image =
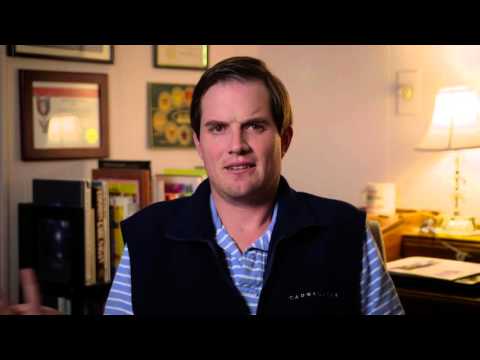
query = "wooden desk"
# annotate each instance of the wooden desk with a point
(428, 300)
(393, 229)
(441, 246)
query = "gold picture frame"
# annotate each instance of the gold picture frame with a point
(83, 53)
(194, 57)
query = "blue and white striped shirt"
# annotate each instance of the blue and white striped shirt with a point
(378, 294)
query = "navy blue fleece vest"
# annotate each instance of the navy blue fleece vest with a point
(313, 267)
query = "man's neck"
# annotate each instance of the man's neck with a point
(244, 221)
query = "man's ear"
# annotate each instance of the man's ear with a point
(286, 139)
(198, 147)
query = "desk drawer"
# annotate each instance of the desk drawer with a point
(440, 247)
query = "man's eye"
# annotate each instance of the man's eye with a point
(256, 126)
(216, 128)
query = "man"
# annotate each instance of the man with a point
(245, 242)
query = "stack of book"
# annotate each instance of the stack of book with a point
(129, 190)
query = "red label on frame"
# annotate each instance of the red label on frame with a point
(65, 92)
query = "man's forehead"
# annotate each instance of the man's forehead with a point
(235, 100)
(239, 86)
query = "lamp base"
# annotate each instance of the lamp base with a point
(459, 225)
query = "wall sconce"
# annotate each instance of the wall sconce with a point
(407, 92)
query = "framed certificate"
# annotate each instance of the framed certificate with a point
(83, 53)
(181, 56)
(63, 115)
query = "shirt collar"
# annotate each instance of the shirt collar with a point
(262, 243)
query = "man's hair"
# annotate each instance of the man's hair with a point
(243, 68)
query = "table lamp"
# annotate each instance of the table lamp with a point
(455, 126)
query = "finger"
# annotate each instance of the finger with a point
(21, 309)
(4, 310)
(3, 304)
(3, 300)
(30, 288)
(26, 309)
(45, 310)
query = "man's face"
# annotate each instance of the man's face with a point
(239, 142)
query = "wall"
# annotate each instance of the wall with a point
(425, 179)
(340, 126)
(347, 131)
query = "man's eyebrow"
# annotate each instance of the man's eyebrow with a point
(258, 119)
(214, 122)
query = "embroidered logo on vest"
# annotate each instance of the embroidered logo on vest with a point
(322, 294)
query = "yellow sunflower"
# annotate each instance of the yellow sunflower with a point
(164, 101)
(188, 96)
(178, 97)
(171, 133)
(183, 117)
(184, 135)
(158, 122)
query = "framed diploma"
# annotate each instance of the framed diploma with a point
(181, 56)
(83, 53)
(63, 115)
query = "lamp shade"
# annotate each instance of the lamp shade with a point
(455, 121)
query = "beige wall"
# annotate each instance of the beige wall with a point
(339, 98)
(346, 130)
(425, 179)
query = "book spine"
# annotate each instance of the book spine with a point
(111, 217)
(64, 306)
(106, 226)
(101, 230)
(89, 241)
(118, 216)
(160, 189)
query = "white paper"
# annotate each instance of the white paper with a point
(433, 267)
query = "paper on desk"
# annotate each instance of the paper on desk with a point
(433, 267)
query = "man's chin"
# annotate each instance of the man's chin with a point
(246, 195)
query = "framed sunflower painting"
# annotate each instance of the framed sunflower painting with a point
(169, 113)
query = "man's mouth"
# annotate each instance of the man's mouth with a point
(237, 167)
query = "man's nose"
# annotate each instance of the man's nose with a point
(239, 143)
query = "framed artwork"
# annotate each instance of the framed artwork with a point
(169, 115)
(83, 53)
(134, 185)
(63, 115)
(193, 57)
(176, 183)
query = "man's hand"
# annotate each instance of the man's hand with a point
(31, 292)
(4, 310)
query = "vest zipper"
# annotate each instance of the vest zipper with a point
(267, 274)
(226, 276)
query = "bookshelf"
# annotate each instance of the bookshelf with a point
(64, 236)
(70, 233)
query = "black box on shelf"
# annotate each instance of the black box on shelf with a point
(51, 240)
